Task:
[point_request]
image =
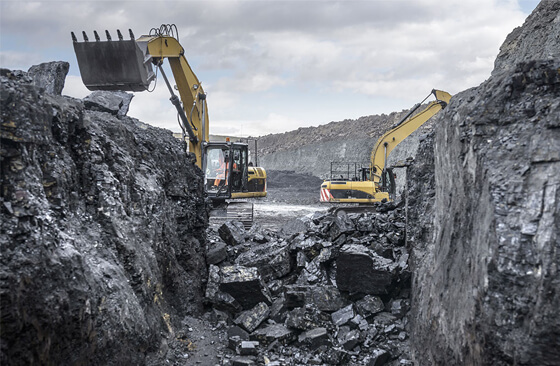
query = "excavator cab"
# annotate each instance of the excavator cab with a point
(226, 169)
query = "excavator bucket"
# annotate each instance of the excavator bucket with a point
(113, 64)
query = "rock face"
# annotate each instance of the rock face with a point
(102, 227)
(537, 39)
(486, 232)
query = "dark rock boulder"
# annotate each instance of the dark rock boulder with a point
(272, 260)
(114, 102)
(50, 76)
(273, 333)
(252, 318)
(359, 270)
(232, 232)
(245, 284)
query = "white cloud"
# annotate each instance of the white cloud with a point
(272, 123)
(261, 61)
(250, 82)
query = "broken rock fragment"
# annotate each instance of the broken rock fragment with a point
(232, 232)
(360, 270)
(348, 338)
(238, 332)
(50, 76)
(306, 318)
(247, 348)
(379, 357)
(273, 260)
(114, 102)
(245, 285)
(370, 305)
(243, 361)
(216, 253)
(272, 333)
(343, 315)
(342, 224)
(221, 300)
(326, 298)
(314, 338)
(251, 319)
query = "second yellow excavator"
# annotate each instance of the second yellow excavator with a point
(127, 65)
(376, 183)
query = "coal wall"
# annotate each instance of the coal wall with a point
(485, 225)
(102, 229)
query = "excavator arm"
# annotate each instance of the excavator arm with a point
(127, 65)
(403, 129)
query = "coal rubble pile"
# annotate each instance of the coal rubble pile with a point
(326, 289)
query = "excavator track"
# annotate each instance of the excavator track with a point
(240, 211)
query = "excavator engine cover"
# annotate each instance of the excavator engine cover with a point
(114, 65)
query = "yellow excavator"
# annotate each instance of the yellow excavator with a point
(376, 183)
(126, 65)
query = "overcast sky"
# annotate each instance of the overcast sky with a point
(275, 66)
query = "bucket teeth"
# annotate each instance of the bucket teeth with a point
(131, 34)
(96, 35)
